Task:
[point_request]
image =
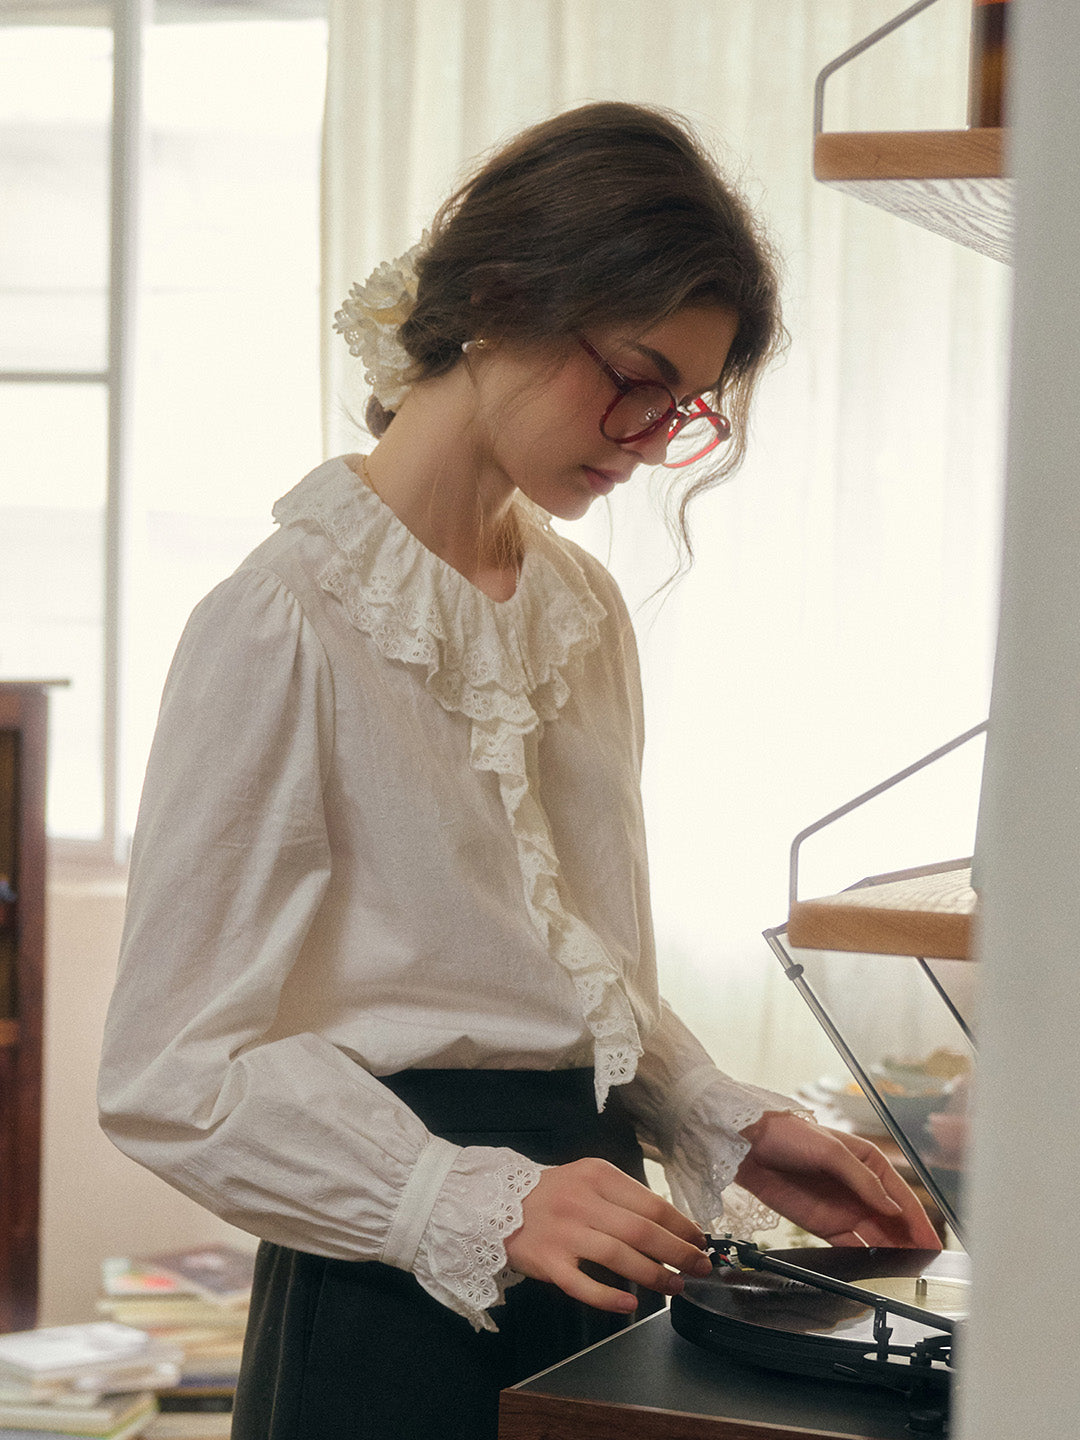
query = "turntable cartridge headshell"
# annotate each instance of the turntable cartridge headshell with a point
(866, 1315)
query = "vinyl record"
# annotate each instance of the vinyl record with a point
(783, 1324)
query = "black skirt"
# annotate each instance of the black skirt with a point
(357, 1350)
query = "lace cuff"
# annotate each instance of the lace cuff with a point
(461, 1259)
(706, 1148)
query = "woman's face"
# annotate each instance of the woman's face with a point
(541, 415)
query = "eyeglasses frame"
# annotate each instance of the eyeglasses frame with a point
(695, 411)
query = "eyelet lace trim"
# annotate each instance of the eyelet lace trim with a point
(467, 1263)
(745, 1215)
(707, 1150)
(507, 667)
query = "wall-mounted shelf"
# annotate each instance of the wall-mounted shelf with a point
(927, 912)
(953, 182)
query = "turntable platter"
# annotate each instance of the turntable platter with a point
(943, 1295)
(783, 1324)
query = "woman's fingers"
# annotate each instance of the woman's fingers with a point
(833, 1184)
(638, 1258)
(910, 1217)
(580, 1286)
(866, 1182)
(604, 1199)
(847, 1239)
(589, 1210)
(646, 1224)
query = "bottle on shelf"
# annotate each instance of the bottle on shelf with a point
(988, 84)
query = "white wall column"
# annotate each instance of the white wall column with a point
(1020, 1374)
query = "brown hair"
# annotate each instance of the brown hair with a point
(607, 214)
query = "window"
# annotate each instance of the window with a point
(213, 316)
(55, 102)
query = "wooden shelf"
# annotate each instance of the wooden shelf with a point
(927, 912)
(953, 182)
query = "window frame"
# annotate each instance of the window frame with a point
(129, 19)
(129, 22)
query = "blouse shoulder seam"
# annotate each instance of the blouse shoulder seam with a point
(268, 570)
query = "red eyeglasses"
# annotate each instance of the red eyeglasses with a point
(643, 407)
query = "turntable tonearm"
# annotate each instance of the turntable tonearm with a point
(865, 1315)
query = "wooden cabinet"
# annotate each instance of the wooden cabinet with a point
(22, 941)
(648, 1383)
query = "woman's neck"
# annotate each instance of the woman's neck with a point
(429, 468)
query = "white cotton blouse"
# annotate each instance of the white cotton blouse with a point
(391, 823)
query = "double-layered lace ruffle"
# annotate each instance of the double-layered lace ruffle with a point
(508, 668)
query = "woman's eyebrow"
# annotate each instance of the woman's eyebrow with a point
(668, 372)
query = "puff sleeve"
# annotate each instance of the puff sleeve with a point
(285, 1136)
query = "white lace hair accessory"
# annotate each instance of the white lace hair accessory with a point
(370, 319)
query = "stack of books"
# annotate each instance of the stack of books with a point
(162, 1365)
(97, 1380)
(109, 1417)
(195, 1301)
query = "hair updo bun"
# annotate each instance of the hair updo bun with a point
(606, 215)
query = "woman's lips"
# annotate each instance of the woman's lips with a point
(604, 481)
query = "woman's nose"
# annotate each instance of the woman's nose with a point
(653, 448)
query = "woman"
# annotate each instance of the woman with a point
(387, 995)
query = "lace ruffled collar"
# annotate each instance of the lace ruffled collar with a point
(482, 657)
(508, 666)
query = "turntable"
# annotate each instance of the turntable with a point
(885, 969)
(869, 1316)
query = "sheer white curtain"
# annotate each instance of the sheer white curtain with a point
(839, 619)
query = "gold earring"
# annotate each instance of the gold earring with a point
(469, 345)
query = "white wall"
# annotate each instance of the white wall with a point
(1021, 1376)
(95, 1201)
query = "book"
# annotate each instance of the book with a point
(99, 1355)
(70, 1415)
(221, 1273)
(198, 1399)
(127, 1431)
(189, 1426)
(173, 1313)
(124, 1277)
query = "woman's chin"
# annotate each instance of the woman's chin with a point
(563, 506)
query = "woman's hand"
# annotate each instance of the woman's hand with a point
(589, 1210)
(837, 1186)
